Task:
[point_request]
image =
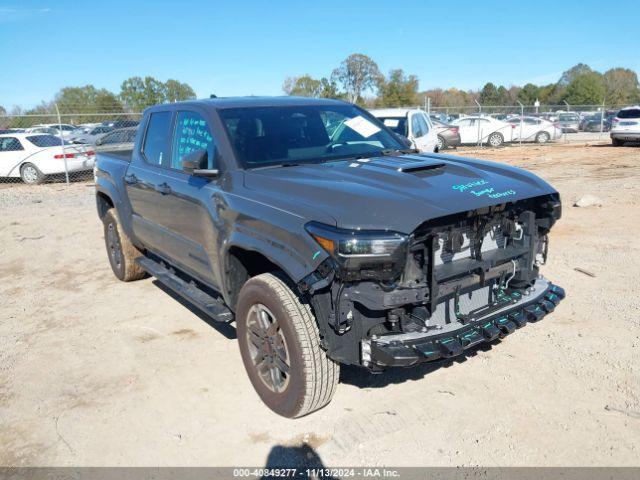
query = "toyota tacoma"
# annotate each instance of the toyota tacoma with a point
(325, 238)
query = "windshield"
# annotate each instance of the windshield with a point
(263, 136)
(397, 124)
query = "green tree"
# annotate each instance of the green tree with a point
(304, 86)
(585, 89)
(569, 75)
(329, 89)
(529, 94)
(357, 74)
(138, 94)
(398, 89)
(621, 86)
(176, 91)
(489, 95)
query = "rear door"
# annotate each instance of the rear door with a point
(145, 173)
(187, 214)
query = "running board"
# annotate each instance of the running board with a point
(210, 305)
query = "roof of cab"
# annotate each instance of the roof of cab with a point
(241, 102)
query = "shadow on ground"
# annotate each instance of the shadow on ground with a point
(225, 329)
(361, 377)
(302, 458)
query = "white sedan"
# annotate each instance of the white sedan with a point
(33, 156)
(480, 130)
(411, 123)
(534, 129)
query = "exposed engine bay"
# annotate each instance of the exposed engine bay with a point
(449, 276)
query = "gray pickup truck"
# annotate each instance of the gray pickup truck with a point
(313, 227)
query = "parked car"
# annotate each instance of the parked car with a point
(475, 130)
(448, 135)
(91, 136)
(413, 124)
(593, 123)
(532, 129)
(569, 122)
(62, 130)
(626, 126)
(120, 123)
(122, 138)
(326, 244)
(32, 157)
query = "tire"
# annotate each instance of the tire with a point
(280, 347)
(121, 252)
(30, 174)
(495, 139)
(442, 143)
(616, 142)
(543, 137)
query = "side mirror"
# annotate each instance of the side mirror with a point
(196, 163)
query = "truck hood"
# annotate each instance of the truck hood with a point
(393, 192)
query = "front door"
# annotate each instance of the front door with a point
(186, 208)
(11, 154)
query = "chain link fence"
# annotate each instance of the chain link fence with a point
(58, 144)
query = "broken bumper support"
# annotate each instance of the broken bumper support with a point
(409, 349)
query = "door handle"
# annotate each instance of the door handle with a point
(130, 179)
(163, 188)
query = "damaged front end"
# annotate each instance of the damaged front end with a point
(389, 299)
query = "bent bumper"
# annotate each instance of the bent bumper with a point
(408, 349)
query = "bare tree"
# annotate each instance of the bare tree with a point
(357, 74)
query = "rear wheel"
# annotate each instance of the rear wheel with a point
(122, 253)
(30, 174)
(543, 137)
(280, 348)
(616, 142)
(442, 144)
(495, 139)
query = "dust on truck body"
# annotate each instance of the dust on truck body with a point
(327, 240)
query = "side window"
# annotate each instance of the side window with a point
(424, 123)
(467, 122)
(192, 133)
(416, 127)
(156, 141)
(10, 144)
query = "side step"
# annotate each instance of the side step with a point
(212, 306)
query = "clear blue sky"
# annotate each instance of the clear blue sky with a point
(240, 47)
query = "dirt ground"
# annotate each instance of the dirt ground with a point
(102, 373)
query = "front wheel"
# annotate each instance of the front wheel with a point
(495, 139)
(616, 142)
(280, 348)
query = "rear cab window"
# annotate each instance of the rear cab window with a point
(155, 149)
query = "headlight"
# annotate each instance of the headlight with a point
(362, 253)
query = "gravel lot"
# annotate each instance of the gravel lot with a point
(102, 373)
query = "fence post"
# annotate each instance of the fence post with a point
(521, 118)
(479, 122)
(64, 155)
(568, 110)
(601, 120)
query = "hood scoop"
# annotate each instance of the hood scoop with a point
(406, 164)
